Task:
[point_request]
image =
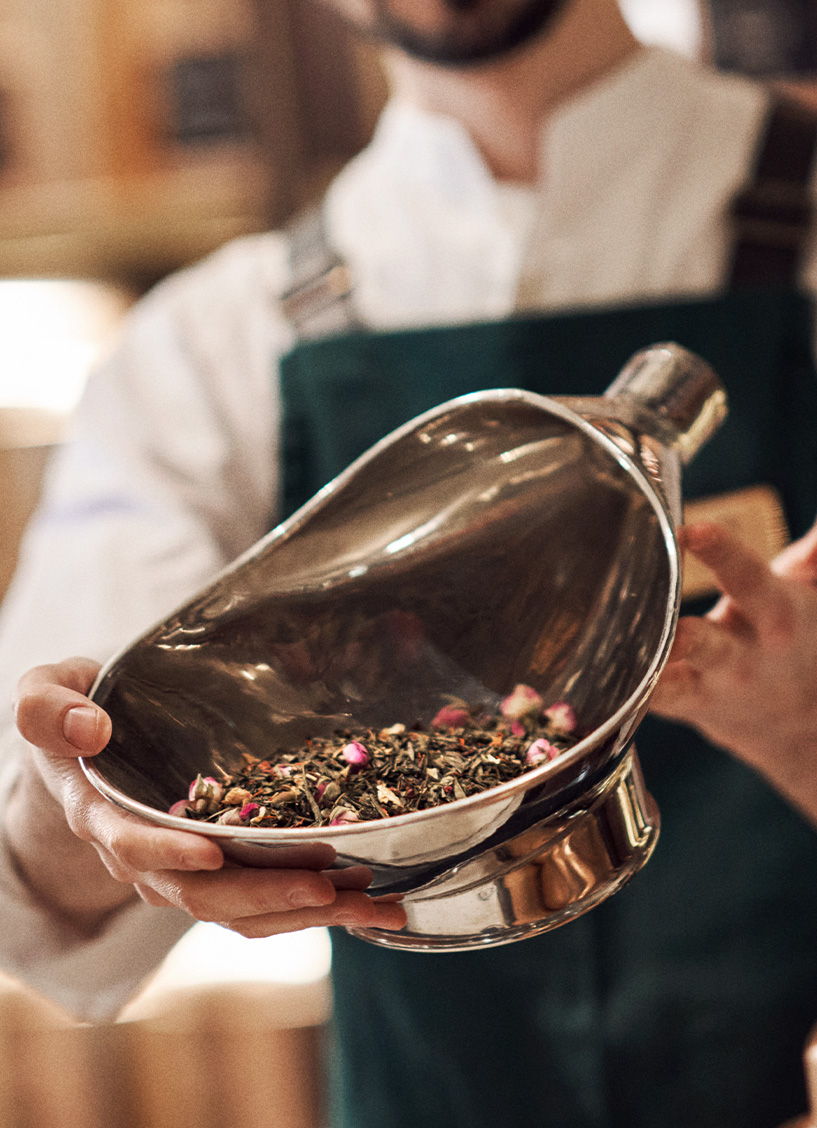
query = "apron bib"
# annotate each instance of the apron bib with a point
(684, 1000)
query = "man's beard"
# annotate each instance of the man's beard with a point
(477, 31)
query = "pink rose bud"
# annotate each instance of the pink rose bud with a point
(230, 817)
(452, 716)
(204, 793)
(540, 751)
(562, 718)
(327, 792)
(523, 704)
(236, 816)
(344, 817)
(180, 809)
(355, 754)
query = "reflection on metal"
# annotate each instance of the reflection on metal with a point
(538, 879)
(503, 537)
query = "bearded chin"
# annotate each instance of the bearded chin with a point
(461, 49)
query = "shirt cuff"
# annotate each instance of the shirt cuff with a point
(90, 979)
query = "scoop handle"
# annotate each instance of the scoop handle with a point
(679, 390)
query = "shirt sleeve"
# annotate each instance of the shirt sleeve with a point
(169, 472)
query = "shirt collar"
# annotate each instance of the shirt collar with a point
(587, 137)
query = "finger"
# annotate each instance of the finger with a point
(700, 647)
(78, 673)
(351, 910)
(352, 877)
(233, 894)
(52, 711)
(743, 575)
(151, 897)
(676, 689)
(799, 560)
(128, 845)
(310, 855)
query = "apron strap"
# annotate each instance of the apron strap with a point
(772, 215)
(318, 301)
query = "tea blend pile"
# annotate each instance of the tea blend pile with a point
(361, 775)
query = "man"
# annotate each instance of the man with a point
(534, 161)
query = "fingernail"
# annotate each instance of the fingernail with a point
(310, 898)
(80, 726)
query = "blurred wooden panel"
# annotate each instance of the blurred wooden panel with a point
(137, 135)
(234, 1056)
(21, 472)
(27, 439)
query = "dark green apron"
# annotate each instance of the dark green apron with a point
(685, 1000)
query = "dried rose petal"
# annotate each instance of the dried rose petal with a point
(180, 809)
(562, 718)
(355, 754)
(452, 716)
(523, 704)
(249, 811)
(540, 751)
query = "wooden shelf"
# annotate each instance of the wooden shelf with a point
(107, 170)
(104, 227)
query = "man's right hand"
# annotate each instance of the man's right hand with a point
(83, 857)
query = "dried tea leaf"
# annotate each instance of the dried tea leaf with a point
(395, 770)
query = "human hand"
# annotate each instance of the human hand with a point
(75, 825)
(745, 674)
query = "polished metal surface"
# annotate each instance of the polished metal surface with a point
(503, 537)
(538, 879)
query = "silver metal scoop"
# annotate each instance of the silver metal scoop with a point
(503, 537)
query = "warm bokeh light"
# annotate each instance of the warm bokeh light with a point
(52, 333)
(667, 23)
(210, 954)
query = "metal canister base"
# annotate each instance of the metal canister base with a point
(542, 878)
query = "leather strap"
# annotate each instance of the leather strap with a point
(772, 216)
(318, 301)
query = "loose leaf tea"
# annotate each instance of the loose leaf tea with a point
(365, 774)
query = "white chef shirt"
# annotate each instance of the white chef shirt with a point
(172, 466)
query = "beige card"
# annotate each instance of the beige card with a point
(754, 515)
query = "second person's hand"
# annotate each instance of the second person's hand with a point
(745, 674)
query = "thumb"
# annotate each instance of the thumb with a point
(54, 716)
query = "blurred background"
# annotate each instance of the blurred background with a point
(136, 136)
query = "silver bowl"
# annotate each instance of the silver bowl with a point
(500, 538)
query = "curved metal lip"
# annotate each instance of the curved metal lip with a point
(293, 835)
